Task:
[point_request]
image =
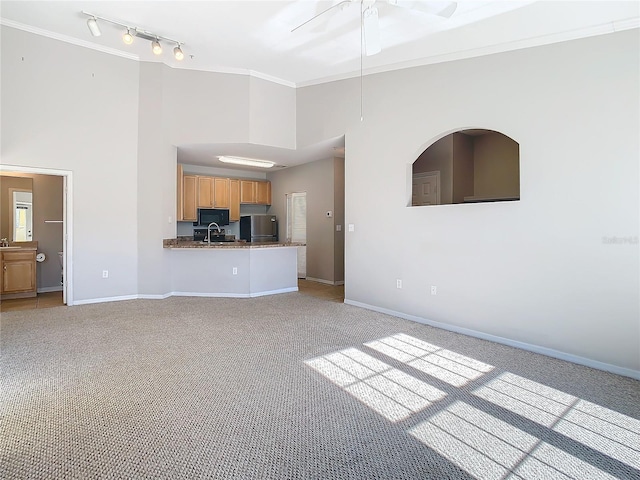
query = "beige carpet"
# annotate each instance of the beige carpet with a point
(295, 387)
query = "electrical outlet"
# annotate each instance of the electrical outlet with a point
(352, 227)
(398, 283)
(434, 290)
(105, 273)
(235, 270)
(338, 228)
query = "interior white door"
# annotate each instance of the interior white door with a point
(426, 189)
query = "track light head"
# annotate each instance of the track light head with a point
(94, 28)
(155, 47)
(177, 52)
(127, 37)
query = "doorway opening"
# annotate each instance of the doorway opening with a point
(65, 256)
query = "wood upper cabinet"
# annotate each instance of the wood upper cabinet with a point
(201, 191)
(186, 202)
(247, 191)
(255, 191)
(189, 186)
(221, 193)
(19, 273)
(234, 200)
(263, 193)
(205, 192)
(180, 194)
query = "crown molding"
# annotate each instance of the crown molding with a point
(67, 39)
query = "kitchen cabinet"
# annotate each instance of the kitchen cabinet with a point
(247, 191)
(234, 200)
(221, 193)
(190, 212)
(187, 191)
(213, 192)
(202, 191)
(18, 273)
(255, 192)
(205, 192)
(263, 193)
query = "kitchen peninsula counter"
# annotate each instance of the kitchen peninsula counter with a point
(178, 243)
(232, 269)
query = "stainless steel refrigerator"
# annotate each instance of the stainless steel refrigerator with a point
(259, 228)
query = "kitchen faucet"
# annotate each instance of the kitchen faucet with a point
(209, 231)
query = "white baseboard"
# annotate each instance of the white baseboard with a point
(184, 294)
(144, 296)
(209, 295)
(105, 299)
(273, 292)
(234, 295)
(50, 289)
(587, 362)
(326, 282)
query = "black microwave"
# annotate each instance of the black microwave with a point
(209, 215)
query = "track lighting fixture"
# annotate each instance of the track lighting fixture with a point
(92, 23)
(132, 32)
(127, 37)
(177, 52)
(155, 47)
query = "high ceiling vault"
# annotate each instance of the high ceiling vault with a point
(260, 38)
(255, 37)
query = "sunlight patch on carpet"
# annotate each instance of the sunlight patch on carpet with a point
(388, 391)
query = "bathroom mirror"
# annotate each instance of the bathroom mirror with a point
(16, 223)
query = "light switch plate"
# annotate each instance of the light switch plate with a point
(352, 227)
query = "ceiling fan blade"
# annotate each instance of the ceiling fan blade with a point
(371, 31)
(343, 3)
(441, 8)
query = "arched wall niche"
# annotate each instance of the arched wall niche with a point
(466, 166)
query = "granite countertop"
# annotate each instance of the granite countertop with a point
(185, 242)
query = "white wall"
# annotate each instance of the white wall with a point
(70, 108)
(265, 99)
(535, 271)
(205, 107)
(317, 180)
(156, 186)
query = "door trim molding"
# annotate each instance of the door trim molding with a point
(67, 220)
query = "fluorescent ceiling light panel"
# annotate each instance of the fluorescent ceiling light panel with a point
(249, 162)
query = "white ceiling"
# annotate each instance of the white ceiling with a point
(254, 37)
